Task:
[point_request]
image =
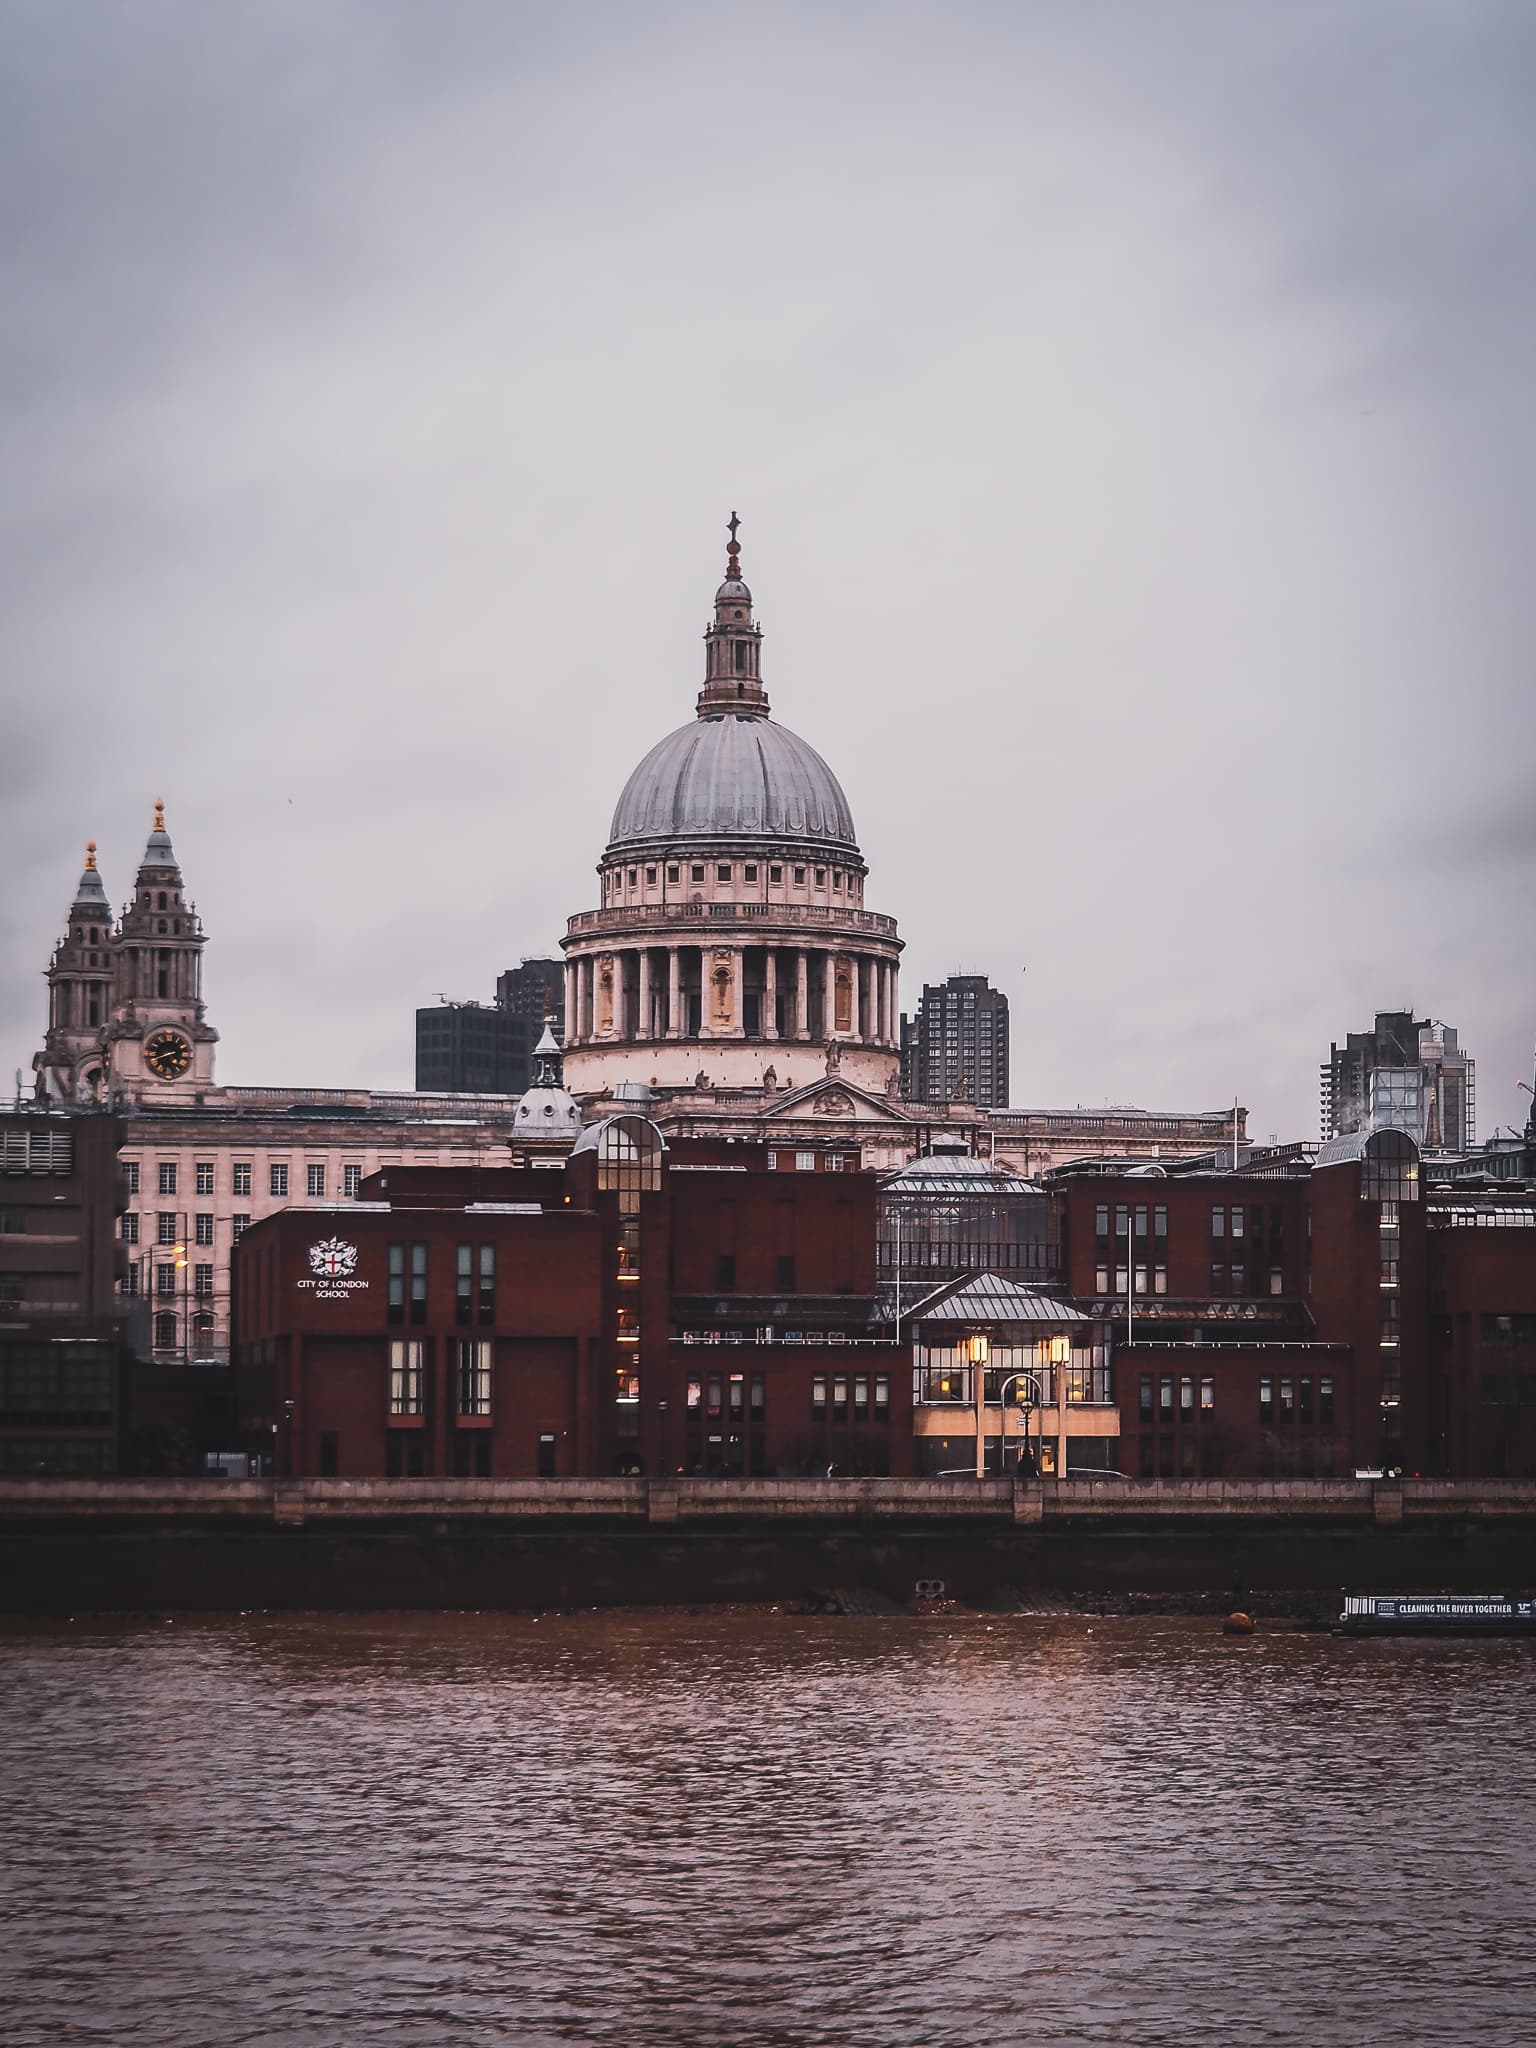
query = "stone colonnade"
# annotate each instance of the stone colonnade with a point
(731, 990)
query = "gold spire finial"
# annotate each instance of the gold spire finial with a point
(733, 550)
(159, 813)
(90, 853)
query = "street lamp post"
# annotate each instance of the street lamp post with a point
(1037, 1401)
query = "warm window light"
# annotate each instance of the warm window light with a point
(979, 1350)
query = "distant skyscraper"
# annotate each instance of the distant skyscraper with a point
(536, 989)
(956, 1047)
(1406, 1073)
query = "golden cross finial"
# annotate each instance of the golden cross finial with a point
(90, 853)
(159, 813)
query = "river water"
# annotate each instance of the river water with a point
(753, 1828)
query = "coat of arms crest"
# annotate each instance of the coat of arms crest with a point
(333, 1259)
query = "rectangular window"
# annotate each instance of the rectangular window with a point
(240, 1224)
(1165, 1397)
(1186, 1399)
(714, 1393)
(277, 1178)
(1146, 1397)
(242, 1172)
(1237, 1279)
(1276, 1280)
(1207, 1395)
(464, 1285)
(165, 1227)
(131, 1283)
(725, 1272)
(775, 874)
(351, 1181)
(165, 1280)
(473, 1375)
(861, 1397)
(396, 1294)
(203, 1231)
(167, 1176)
(1160, 1220)
(1237, 1223)
(1122, 1279)
(1305, 1409)
(1287, 1400)
(1101, 1224)
(486, 1314)
(405, 1376)
(418, 1283)
(1325, 1400)
(821, 878)
(736, 1388)
(799, 878)
(314, 1178)
(1141, 1279)
(695, 1393)
(1159, 1279)
(1141, 1219)
(130, 1229)
(1101, 1279)
(650, 877)
(205, 1176)
(758, 1390)
(882, 1396)
(722, 871)
(805, 1162)
(839, 1397)
(1218, 1225)
(131, 1169)
(697, 871)
(1266, 1400)
(818, 1397)
(202, 1280)
(672, 871)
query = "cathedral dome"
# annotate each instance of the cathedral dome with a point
(732, 776)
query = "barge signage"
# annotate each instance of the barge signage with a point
(332, 1267)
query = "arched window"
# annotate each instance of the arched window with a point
(165, 1332)
(202, 1334)
(161, 904)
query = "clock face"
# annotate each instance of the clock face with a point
(168, 1055)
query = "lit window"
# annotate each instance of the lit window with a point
(405, 1355)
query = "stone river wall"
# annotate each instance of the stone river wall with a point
(109, 1545)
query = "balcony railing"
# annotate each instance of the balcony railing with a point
(624, 917)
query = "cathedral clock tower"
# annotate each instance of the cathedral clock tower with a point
(160, 1049)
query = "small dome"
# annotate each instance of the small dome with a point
(730, 776)
(734, 591)
(547, 1113)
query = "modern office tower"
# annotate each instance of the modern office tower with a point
(535, 989)
(1407, 1074)
(956, 1047)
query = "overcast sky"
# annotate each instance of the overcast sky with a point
(1128, 406)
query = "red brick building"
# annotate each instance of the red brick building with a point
(638, 1310)
(1340, 1314)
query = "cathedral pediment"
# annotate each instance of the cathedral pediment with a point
(830, 1098)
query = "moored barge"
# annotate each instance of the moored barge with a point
(1437, 1614)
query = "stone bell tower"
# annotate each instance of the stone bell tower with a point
(71, 1064)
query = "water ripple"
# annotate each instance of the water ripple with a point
(729, 1829)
